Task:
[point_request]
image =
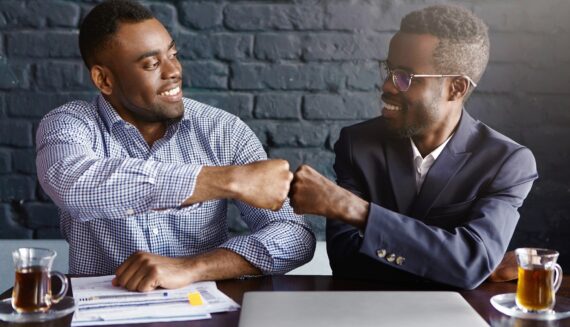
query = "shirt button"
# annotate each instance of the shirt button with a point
(381, 253)
(155, 231)
(130, 212)
(391, 257)
(400, 260)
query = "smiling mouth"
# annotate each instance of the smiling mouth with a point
(171, 92)
(391, 107)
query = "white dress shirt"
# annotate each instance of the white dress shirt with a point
(422, 165)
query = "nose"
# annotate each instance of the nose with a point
(388, 85)
(172, 69)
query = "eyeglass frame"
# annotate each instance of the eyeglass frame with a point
(389, 73)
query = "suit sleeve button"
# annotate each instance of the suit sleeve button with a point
(400, 260)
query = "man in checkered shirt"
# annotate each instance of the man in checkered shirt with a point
(142, 176)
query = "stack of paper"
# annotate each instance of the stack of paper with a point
(101, 303)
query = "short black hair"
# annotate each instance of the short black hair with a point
(463, 38)
(99, 26)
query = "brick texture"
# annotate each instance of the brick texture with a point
(296, 72)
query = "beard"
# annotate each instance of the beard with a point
(416, 116)
(423, 117)
(171, 113)
(160, 113)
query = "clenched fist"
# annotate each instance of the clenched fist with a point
(263, 184)
(312, 193)
(144, 272)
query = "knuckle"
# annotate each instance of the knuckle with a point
(153, 271)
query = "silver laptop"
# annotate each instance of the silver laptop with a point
(344, 308)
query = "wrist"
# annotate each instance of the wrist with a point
(352, 210)
(194, 268)
(219, 182)
(232, 181)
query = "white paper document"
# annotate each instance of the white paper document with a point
(101, 303)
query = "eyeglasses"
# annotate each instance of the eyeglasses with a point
(402, 79)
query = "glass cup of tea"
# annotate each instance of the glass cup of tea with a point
(32, 285)
(539, 279)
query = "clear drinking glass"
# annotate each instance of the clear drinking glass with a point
(539, 279)
(32, 285)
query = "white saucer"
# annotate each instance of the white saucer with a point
(57, 310)
(506, 304)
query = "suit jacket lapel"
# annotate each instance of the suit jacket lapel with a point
(449, 162)
(401, 171)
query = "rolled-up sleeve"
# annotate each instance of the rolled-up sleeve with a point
(89, 186)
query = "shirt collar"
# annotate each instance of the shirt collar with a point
(434, 154)
(108, 113)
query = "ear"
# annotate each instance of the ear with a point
(458, 88)
(102, 78)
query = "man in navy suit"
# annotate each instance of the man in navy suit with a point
(425, 192)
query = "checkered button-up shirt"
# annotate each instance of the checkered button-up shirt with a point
(109, 185)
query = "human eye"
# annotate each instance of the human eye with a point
(151, 65)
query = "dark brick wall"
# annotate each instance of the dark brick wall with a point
(296, 72)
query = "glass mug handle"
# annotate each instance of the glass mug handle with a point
(64, 286)
(557, 277)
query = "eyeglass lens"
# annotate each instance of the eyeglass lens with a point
(400, 78)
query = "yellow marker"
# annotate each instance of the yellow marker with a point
(195, 298)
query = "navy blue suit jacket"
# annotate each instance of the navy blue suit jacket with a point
(455, 231)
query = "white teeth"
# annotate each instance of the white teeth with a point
(391, 107)
(172, 92)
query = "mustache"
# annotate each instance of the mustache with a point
(390, 99)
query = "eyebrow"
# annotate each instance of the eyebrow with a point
(408, 69)
(154, 52)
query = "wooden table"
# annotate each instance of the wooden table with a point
(478, 298)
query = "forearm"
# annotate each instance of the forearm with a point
(144, 271)
(261, 184)
(220, 264)
(348, 208)
(214, 183)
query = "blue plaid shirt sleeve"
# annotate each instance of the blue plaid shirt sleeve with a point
(90, 187)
